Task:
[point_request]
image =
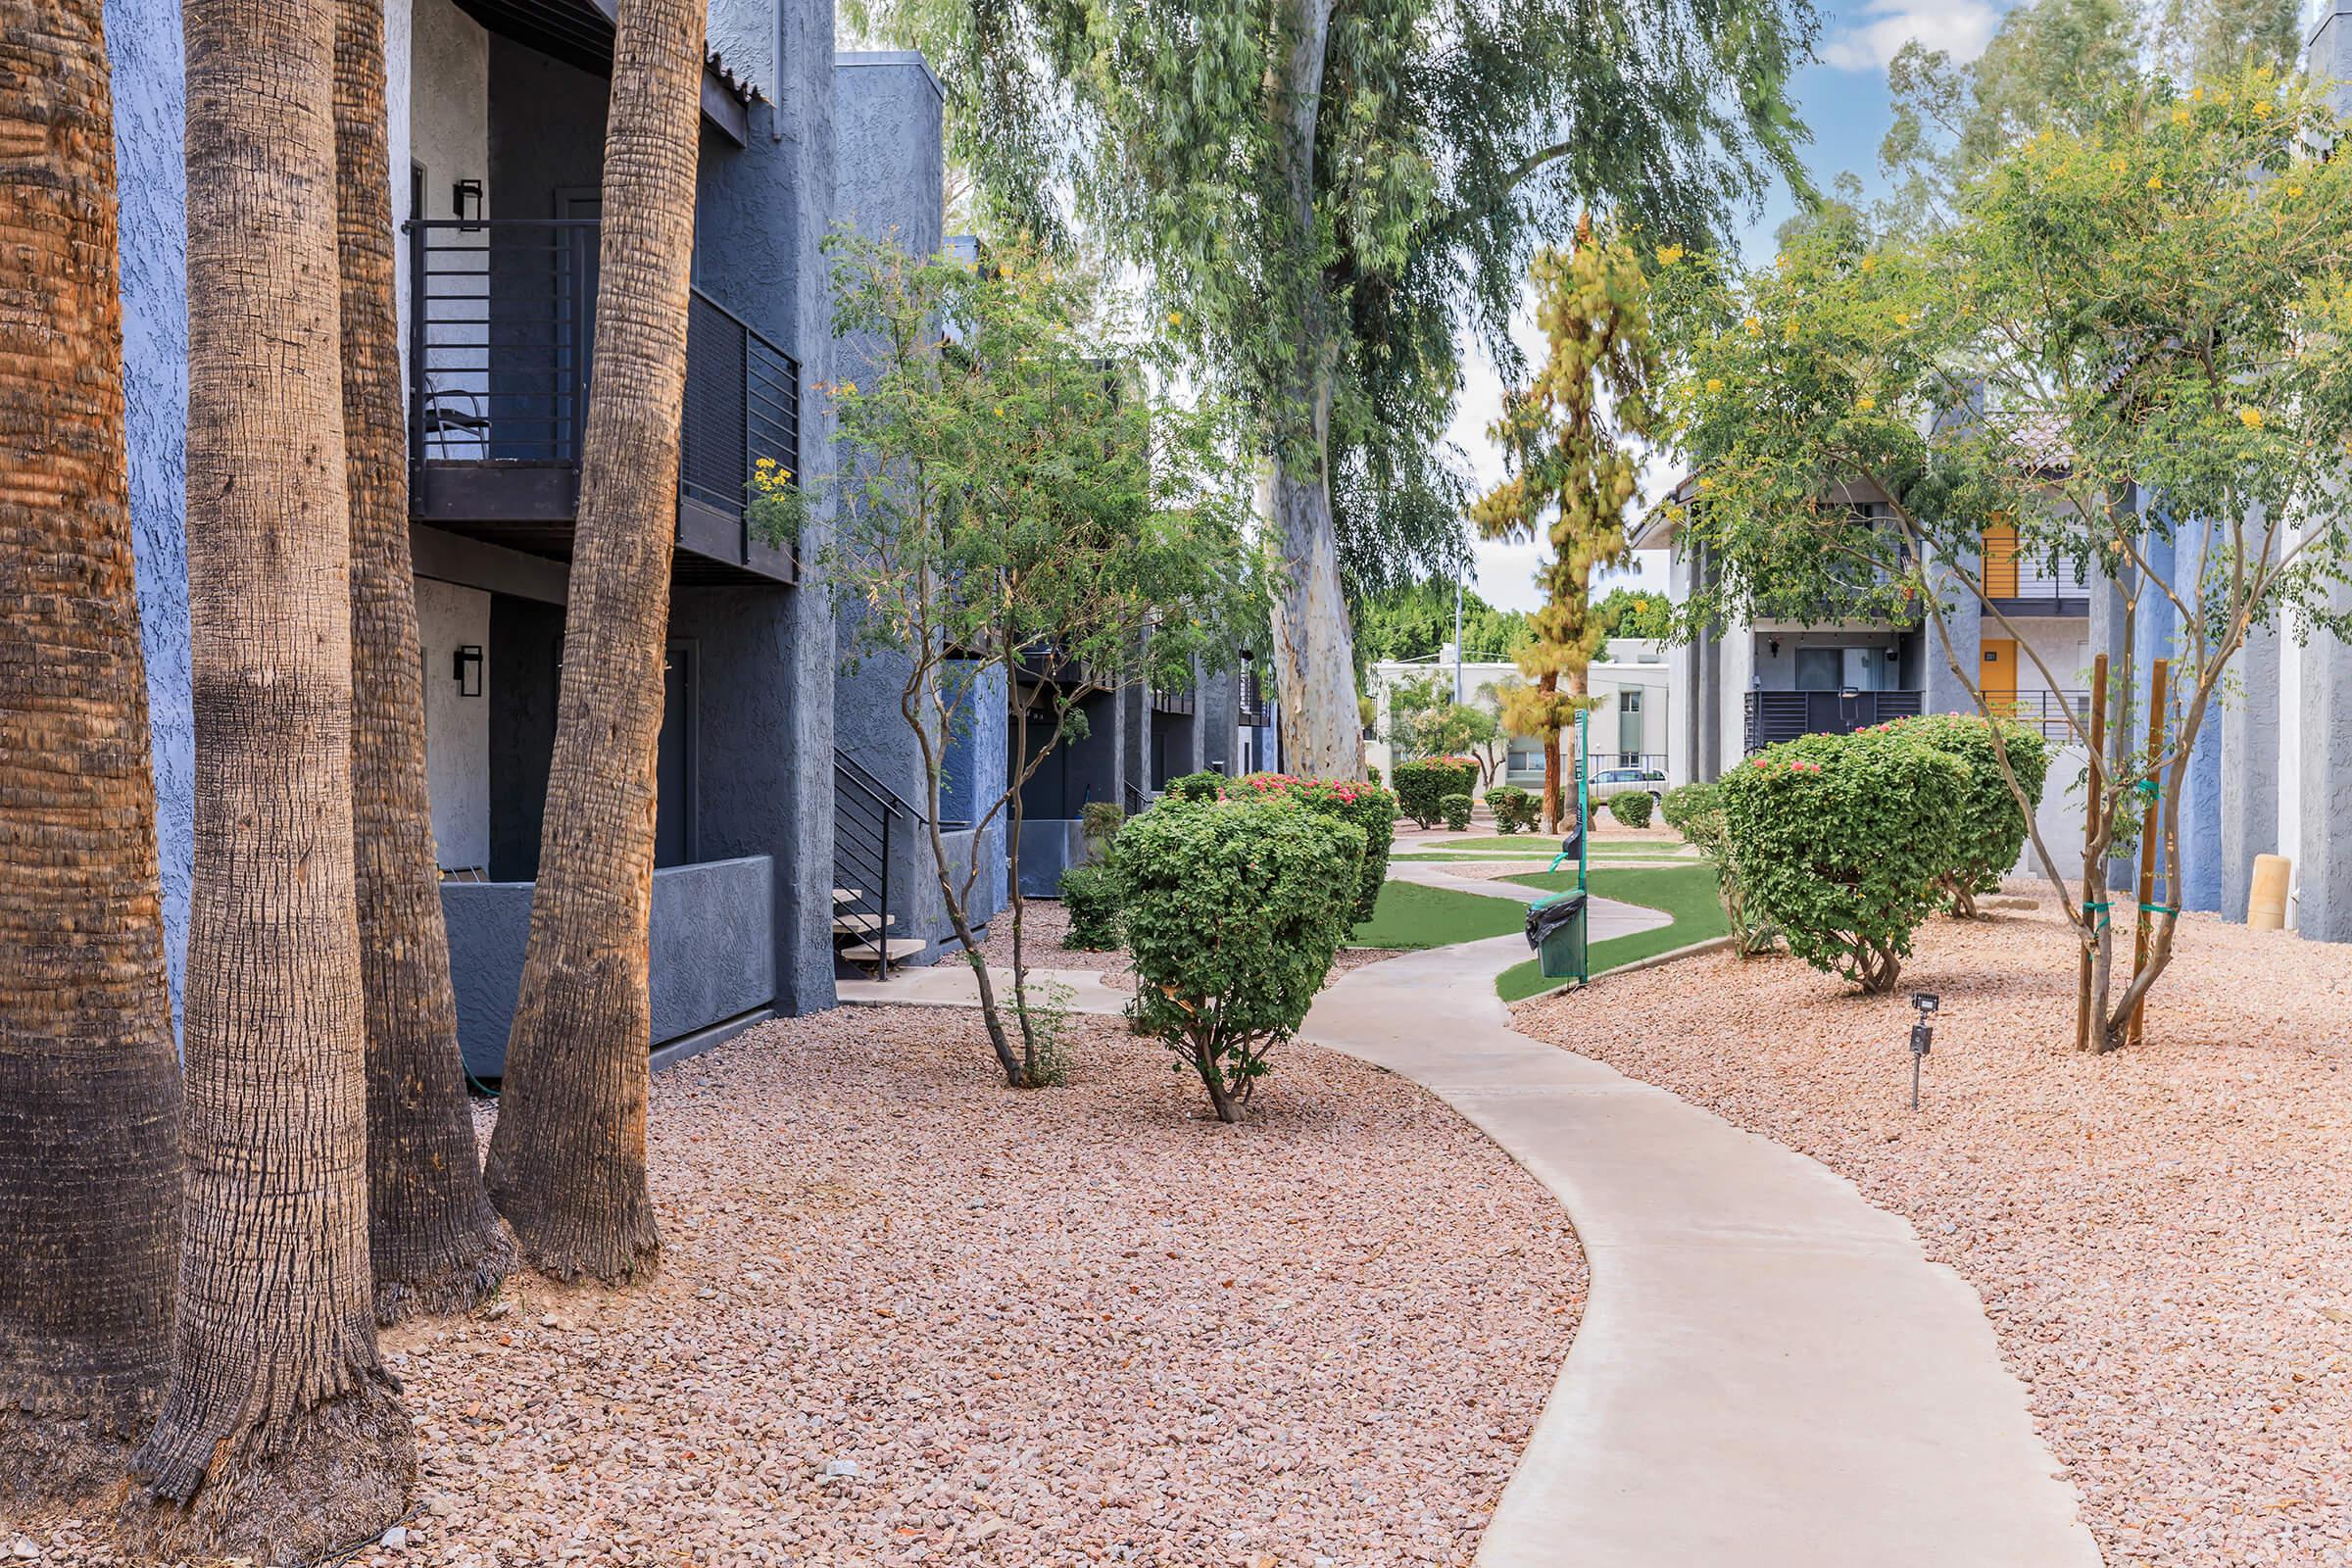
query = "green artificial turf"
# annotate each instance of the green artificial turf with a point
(1541, 844)
(1685, 892)
(1411, 915)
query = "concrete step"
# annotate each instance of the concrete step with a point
(862, 925)
(897, 947)
(842, 895)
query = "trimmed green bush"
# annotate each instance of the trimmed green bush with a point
(1091, 894)
(1196, 787)
(1680, 804)
(1234, 909)
(1632, 807)
(1843, 842)
(1455, 808)
(1372, 773)
(1421, 786)
(1369, 806)
(1515, 809)
(1991, 827)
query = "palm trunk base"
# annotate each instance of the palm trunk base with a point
(337, 1475)
(468, 1274)
(48, 1461)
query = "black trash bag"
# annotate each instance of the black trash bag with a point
(1544, 918)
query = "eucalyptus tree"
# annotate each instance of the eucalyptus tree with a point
(567, 1164)
(283, 1435)
(1326, 198)
(2133, 349)
(89, 1081)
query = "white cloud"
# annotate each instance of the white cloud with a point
(1959, 27)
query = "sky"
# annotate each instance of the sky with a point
(1842, 99)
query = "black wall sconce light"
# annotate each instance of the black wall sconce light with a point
(466, 668)
(1772, 646)
(466, 200)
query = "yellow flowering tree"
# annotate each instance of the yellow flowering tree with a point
(2133, 348)
(1571, 479)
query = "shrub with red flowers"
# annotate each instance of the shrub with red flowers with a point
(1843, 841)
(1367, 806)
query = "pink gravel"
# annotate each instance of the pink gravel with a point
(908, 1315)
(1044, 923)
(2162, 1236)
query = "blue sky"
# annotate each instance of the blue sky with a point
(1842, 99)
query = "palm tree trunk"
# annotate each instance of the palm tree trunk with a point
(434, 1243)
(283, 1434)
(89, 1078)
(567, 1160)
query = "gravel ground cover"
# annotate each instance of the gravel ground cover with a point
(908, 1315)
(2162, 1236)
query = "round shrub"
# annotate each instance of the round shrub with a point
(1678, 805)
(1367, 806)
(1421, 786)
(1091, 894)
(1515, 809)
(1456, 810)
(1843, 842)
(1234, 909)
(1992, 830)
(1101, 820)
(1630, 807)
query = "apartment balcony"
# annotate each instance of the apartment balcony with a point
(501, 351)
(1776, 716)
(2025, 582)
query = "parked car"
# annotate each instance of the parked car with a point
(1623, 781)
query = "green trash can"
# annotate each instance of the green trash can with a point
(1556, 929)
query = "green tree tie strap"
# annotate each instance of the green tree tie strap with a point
(2101, 910)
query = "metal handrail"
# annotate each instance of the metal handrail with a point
(863, 810)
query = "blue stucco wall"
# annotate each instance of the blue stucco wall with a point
(143, 47)
(712, 946)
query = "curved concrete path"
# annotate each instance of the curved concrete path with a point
(1769, 1374)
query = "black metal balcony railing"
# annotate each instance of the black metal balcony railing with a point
(1776, 716)
(502, 349)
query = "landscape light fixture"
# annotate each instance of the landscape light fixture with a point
(1923, 1036)
(466, 200)
(466, 668)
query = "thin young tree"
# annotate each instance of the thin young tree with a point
(1572, 477)
(1022, 524)
(567, 1164)
(89, 1078)
(283, 1434)
(2132, 355)
(435, 1244)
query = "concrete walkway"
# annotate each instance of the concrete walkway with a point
(1769, 1374)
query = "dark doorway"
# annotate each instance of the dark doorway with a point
(674, 764)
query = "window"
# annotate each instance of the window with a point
(1629, 699)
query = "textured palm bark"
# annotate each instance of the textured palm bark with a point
(283, 1434)
(435, 1244)
(1314, 643)
(89, 1078)
(566, 1162)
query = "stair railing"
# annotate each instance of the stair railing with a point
(865, 811)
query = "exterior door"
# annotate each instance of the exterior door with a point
(1999, 678)
(2000, 561)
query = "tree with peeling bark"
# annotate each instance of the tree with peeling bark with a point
(435, 1244)
(90, 1079)
(1571, 476)
(1326, 197)
(2128, 360)
(1022, 524)
(283, 1434)
(566, 1164)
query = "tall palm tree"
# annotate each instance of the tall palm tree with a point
(435, 1243)
(90, 1079)
(283, 1435)
(566, 1162)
